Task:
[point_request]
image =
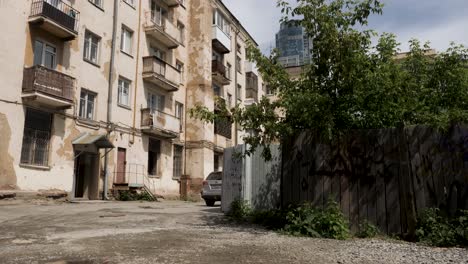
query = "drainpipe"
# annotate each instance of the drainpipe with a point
(236, 33)
(136, 73)
(109, 96)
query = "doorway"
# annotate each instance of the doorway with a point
(121, 165)
(86, 176)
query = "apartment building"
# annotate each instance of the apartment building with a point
(95, 93)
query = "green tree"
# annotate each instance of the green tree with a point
(355, 81)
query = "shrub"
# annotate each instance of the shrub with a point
(240, 210)
(367, 230)
(135, 196)
(327, 223)
(436, 229)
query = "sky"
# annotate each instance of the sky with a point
(436, 21)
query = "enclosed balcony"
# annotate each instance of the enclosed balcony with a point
(160, 73)
(220, 40)
(220, 72)
(48, 87)
(161, 28)
(160, 124)
(56, 17)
(251, 86)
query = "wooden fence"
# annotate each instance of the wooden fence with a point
(386, 177)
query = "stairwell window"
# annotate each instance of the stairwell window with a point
(97, 3)
(126, 40)
(180, 68)
(239, 64)
(87, 104)
(181, 29)
(179, 113)
(36, 138)
(91, 47)
(124, 92)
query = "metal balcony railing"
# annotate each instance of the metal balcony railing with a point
(58, 11)
(50, 82)
(218, 67)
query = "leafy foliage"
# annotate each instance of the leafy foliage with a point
(353, 82)
(436, 229)
(367, 230)
(240, 209)
(327, 223)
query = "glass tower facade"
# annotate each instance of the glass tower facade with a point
(293, 44)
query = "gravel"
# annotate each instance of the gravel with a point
(177, 232)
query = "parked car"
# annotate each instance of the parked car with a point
(211, 191)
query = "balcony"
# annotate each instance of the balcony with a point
(161, 29)
(221, 41)
(220, 73)
(160, 73)
(159, 123)
(55, 17)
(48, 87)
(223, 127)
(251, 86)
(172, 3)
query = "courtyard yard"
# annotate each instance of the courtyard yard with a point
(42, 231)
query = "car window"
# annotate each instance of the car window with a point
(215, 176)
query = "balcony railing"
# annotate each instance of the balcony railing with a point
(223, 127)
(220, 72)
(161, 73)
(57, 11)
(160, 123)
(50, 82)
(162, 29)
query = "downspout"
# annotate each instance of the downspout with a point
(136, 73)
(109, 96)
(236, 32)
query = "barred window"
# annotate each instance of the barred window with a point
(178, 154)
(36, 138)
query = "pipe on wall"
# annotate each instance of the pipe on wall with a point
(109, 95)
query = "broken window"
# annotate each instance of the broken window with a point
(36, 138)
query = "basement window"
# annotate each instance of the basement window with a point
(36, 138)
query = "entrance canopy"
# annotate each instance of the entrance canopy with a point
(92, 143)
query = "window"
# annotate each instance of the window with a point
(157, 14)
(91, 47)
(228, 71)
(36, 138)
(178, 154)
(156, 102)
(217, 91)
(239, 48)
(154, 149)
(179, 113)
(87, 102)
(158, 53)
(124, 92)
(229, 100)
(239, 92)
(269, 90)
(126, 40)
(180, 68)
(97, 3)
(218, 159)
(220, 21)
(239, 64)
(181, 29)
(45, 54)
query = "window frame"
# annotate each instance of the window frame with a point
(180, 68)
(100, 6)
(119, 91)
(90, 36)
(45, 44)
(175, 169)
(123, 44)
(33, 145)
(179, 113)
(87, 92)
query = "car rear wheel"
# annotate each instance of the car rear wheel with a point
(210, 202)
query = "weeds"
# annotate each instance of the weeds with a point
(436, 229)
(367, 230)
(135, 196)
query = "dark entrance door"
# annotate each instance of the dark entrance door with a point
(121, 165)
(80, 177)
